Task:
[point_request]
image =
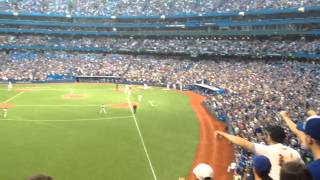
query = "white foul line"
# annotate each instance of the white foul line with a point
(65, 120)
(6, 101)
(141, 138)
(60, 105)
(37, 122)
(57, 105)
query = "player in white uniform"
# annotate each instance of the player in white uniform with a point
(168, 86)
(9, 86)
(145, 86)
(139, 98)
(5, 113)
(103, 109)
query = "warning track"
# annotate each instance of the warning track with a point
(218, 154)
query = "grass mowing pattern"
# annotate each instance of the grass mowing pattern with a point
(84, 145)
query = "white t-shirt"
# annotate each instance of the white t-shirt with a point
(274, 152)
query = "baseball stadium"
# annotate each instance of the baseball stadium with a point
(159, 90)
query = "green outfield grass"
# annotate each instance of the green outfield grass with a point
(70, 140)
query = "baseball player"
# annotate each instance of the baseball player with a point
(135, 107)
(9, 86)
(103, 109)
(5, 113)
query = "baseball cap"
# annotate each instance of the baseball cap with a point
(202, 171)
(261, 164)
(311, 127)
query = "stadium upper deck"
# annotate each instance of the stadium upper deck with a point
(187, 27)
(292, 21)
(144, 7)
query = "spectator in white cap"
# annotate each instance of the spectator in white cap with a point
(203, 172)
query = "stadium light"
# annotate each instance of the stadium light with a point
(241, 13)
(301, 9)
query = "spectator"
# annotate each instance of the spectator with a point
(309, 134)
(261, 168)
(203, 172)
(294, 171)
(40, 177)
(274, 151)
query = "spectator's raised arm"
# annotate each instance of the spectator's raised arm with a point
(236, 140)
(292, 126)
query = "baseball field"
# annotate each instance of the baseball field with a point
(58, 129)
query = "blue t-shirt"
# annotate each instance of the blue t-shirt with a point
(314, 169)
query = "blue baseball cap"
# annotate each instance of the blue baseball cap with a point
(311, 127)
(261, 164)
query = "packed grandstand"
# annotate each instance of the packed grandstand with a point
(263, 54)
(140, 7)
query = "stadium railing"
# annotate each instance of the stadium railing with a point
(194, 24)
(315, 32)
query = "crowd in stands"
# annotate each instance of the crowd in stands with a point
(256, 90)
(142, 7)
(195, 45)
(37, 66)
